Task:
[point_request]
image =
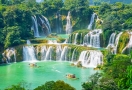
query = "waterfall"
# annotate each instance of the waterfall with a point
(35, 26)
(91, 21)
(68, 25)
(58, 52)
(49, 53)
(90, 58)
(64, 54)
(29, 53)
(73, 55)
(28, 42)
(112, 40)
(43, 52)
(75, 40)
(45, 23)
(48, 24)
(68, 40)
(86, 40)
(92, 39)
(129, 45)
(116, 42)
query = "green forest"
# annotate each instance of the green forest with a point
(114, 16)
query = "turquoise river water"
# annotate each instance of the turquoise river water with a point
(15, 73)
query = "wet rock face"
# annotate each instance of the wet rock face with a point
(9, 55)
(79, 64)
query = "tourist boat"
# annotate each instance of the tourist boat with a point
(71, 76)
(32, 64)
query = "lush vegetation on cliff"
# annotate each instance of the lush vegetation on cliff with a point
(16, 22)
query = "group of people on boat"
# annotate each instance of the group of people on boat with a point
(72, 76)
(34, 65)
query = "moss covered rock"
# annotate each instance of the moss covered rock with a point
(123, 41)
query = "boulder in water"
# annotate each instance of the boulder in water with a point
(79, 64)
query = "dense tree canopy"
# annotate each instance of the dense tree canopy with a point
(16, 22)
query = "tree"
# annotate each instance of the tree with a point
(16, 87)
(128, 23)
(104, 8)
(13, 36)
(92, 83)
(58, 85)
(118, 70)
(51, 7)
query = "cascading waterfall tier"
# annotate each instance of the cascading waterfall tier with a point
(64, 54)
(28, 42)
(92, 39)
(74, 55)
(112, 40)
(68, 25)
(29, 53)
(7, 55)
(43, 52)
(75, 40)
(48, 55)
(35, 26)
(58, 52)
(91, 21)
(43, 23)
(116, 42)
(90, 58)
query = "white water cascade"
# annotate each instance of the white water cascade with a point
(68, 25)
(129, 45)
(75, 39)
(28, 42)
(45, 23)
(90, 58)
(35, 26)
(112, 40)
(48, 55)
(58, 52)
(92, 39)
(116, 42)
(29, 53)
(74, 55)
(91, 21)
(48, 24)
(43, 52)
(64, 54)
